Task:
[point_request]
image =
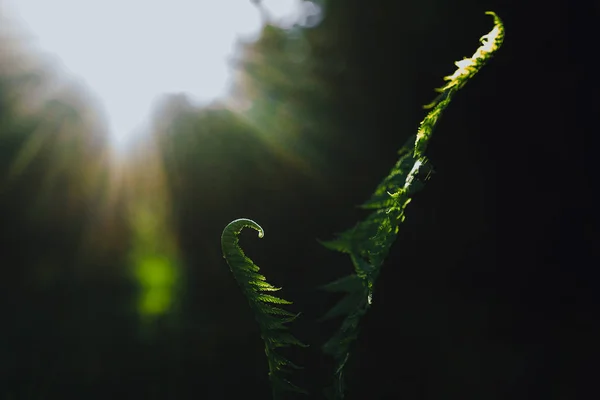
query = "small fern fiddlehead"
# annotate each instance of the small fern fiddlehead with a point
(369, 241)
(271, 319)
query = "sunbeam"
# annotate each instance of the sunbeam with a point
(128, 53)
(84, 69)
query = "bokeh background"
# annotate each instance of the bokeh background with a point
(112, 281)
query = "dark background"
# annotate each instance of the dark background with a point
(487, 293)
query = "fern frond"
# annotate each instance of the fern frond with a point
(369, 242)
(271, 320)
(467, 68)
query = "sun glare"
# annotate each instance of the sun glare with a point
(130, 52)
(124, 56)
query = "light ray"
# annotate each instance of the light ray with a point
(131, 52)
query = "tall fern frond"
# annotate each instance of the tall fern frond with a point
(271, 318)
(369, 241)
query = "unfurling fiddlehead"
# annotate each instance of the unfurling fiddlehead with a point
(369, 241)
(271, 319)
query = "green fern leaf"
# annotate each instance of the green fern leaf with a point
(272, 299)
(271, 320)
(349, 284)
(369, 242)
(340, 244)
(276, 311)
(346, 306)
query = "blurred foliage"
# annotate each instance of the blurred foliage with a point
(91, 241)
